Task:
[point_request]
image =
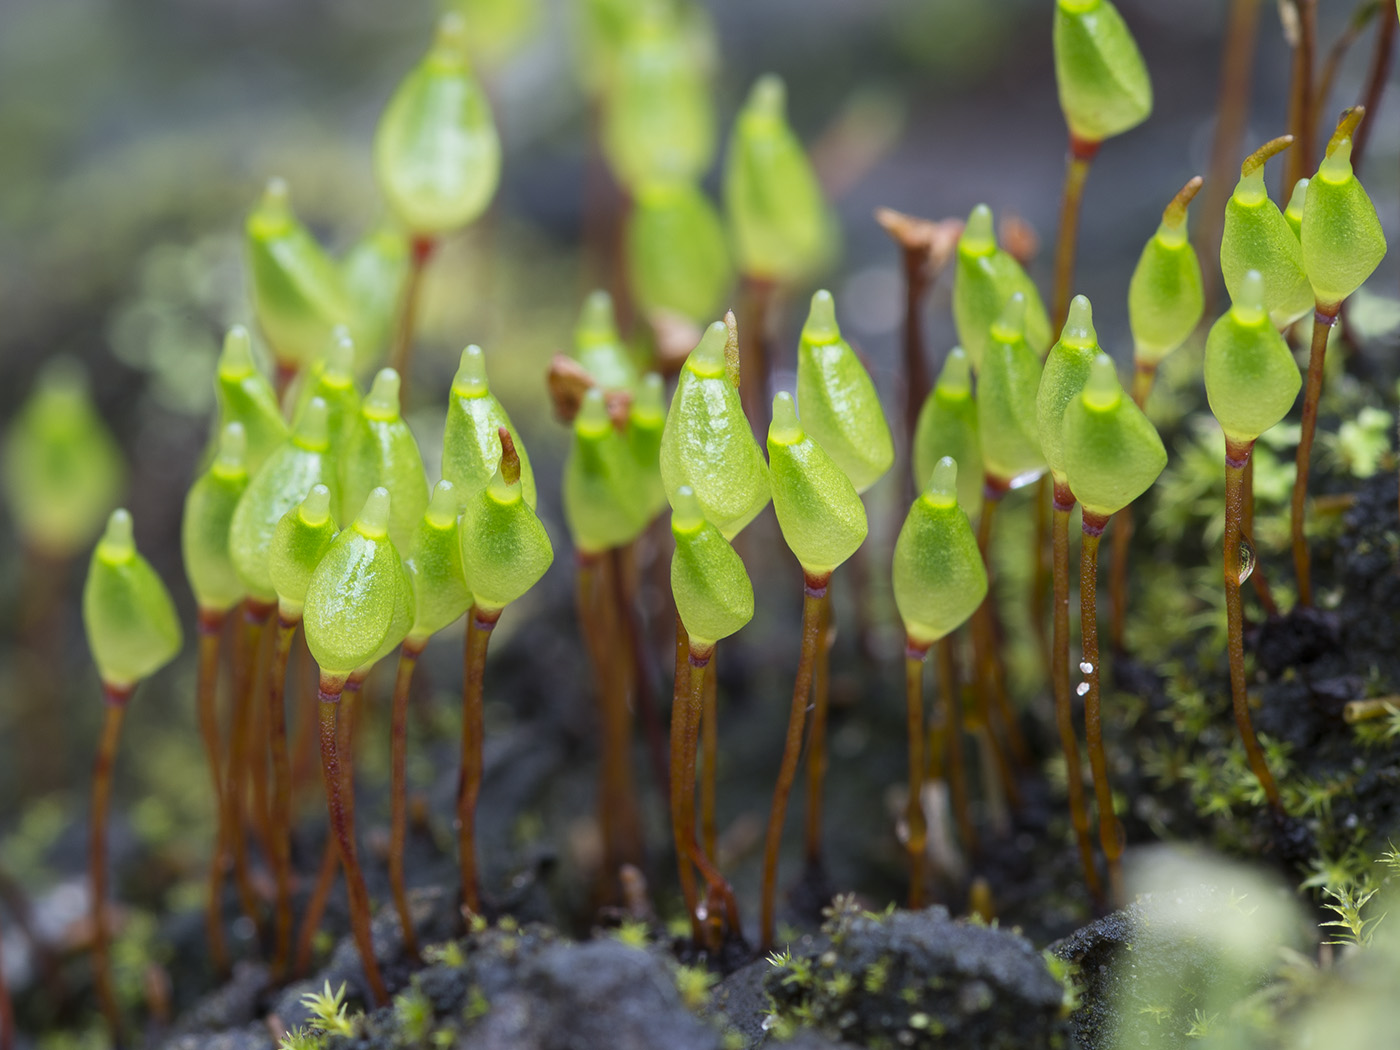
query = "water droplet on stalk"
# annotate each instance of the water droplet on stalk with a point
(1246, 559)
(1085, 667)
(1082, 688)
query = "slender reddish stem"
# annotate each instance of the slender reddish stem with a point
(719, 894)
(398, 791)
(683, 782)
(480, 624)
(816, 739)
(1324, 317)
(617, 725)
(1259, 577)
(1144, 376)
(644, 672)
(756, 299)
(814, 596)
(709, 726)
(916, 375)
(256, 767)
(115, 708)
(400, 358)
(917, 841)
(235, 772)
(1302, 117)
(281, 806)
(1081, 155)
(1040, 571)
(1110, 831)
(985, 632)
(211, 627)
(950, 701)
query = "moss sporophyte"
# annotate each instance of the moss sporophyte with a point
(244, 396)
(1256, 236)
(471, 443)
(986, 275)
(947, 426)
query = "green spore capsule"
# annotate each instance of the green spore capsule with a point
(63, 469)
(434, 561)
(359, 604)
(245, 397)
(436, 153)
(471, 447)
(374, 271)
(381, 451)
(707, 443)
(505, 549)
(840, 408)
(1251, 377)
(1112, 452)
(938, 576)
(677, 257)
(658, 116)
(984, 277)
(132, 628)
(204, 527)
(298, 292)
(1256, 236)
(1007, 436)
(713, 593)
(602, 482)
(332, 378)
(1165, 296)
(299, 542)
(599, 348)
(646, 422)
(1102, 79)
(947, 426)
(303, 460)
(1294, 212)
(1066, 371)
(819, 511)
(1342, 239)
(777, 216)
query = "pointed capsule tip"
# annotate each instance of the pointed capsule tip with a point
(311, 429)
(1248, 306)
(955, 380)
(382, 401)
(373, 519)
(316, 507)
(943, 483)
(592, 419)
(597, 322)
(769, 96)
(1298, 197)
(1336, 165)
(979, 234)
(1346, 128)
(236, 359)
(118, 540)
(1010, 327)
(442, 507)
(1102, 390)
(1079, 325)
(708, 357)
(686, 515)
(821, 327)
(233, 447)
(276, 196)
(786, 428)
(651, 394)
(340, 355)
(470, 380)
(1174, 215)
(451, 34)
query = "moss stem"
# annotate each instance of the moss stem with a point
(211, 628)
(916, 841)
(1041, 576)
(709, 724)
(480, 624)
(950, 716)
(1259, 577)
(644, 672)
(1080, 157)
(621, 787)
(986, 634)
(1110, 831)
(816, 739)
(281, 807)
(1324, 317)
(721, 908)
(235, 796)
(683, 782)
(115, 712)
(421, 250)
(756, 301)
(1302, 117)
(398, 791)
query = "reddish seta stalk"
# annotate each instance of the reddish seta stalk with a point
(115, 711)
(211, 627)
(1324, 317)
(421, 250)
(1081, 155)
(683, 781)
(480, 624)
(1111, 838)
(916, 840)
(398, 792)
(816, 741)
(281, 803)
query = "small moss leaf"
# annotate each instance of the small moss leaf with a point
(646, 422)
(381, 451)
(1165, 296)
(599, 348)
(840, 408)
(938, 576)
(359, 604)
(471, 445)
(1342, 238)
(505, 549)
(1007, 435)
(1256, 236)
(1102, 79)
(374, 271)
(677, 256)
(132, 628)
(984, 277)
(245, 397)
(713, 593)
(1112, 452)
(707, 443)
(818, 509)
(204, 526)
(1066, 372)
(777, 215)
(603, 487)
(299, 542)
(1251, 377)
(436, 153)
(434, 562)
(299, 295)
(947, 426)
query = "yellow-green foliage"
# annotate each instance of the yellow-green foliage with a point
(380, 450)
(1251, 378)
(1112, 452)
(299, 542)
(1165, 296)
(1066, 372)
(947, 426)
(204, 526)
(985, 276)
(1342, 238)
(434, 561)
(714, 597)
(1006, 390)
(505, 549)
(245, 397)
(131, 624)
(471, 440)
(603, 486)
(1103, 82)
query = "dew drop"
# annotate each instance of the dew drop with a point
(1246, 559)
(1082, 688)
(1085, 667)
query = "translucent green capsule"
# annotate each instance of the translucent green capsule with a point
(599, 347)
(646, 422)
(1166, 296)
(818, 509)
(299, 542)
(1294, 212)
(246, 397)
(1256, 236)
(359, 604)
(63, 469)
(436, 153)
(947, 426)
(434, 561)
(471, 445)
(288, 475)
(777, 216)
(602, 482)
(1066, 372)
(132, 628)
(497, 29)
(505, 549)
(677, 257)
(1102, 79)
(1007, 436)
(1251, 377)
(984, 277)
(1343, 242)
(713, 593)
(374, 271)
(1112, 452)
(204, 527)
(331, 377)
(298, 292)
(707, 442)
(658, 114)
(381, 451)
(938, 576)
(840, 408)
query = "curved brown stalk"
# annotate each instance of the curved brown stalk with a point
(1110, 831)
(211, 629)
(709, 725)
(421, 250)
(115, 708)
(814, 596)
(342, 819)
(617, 723)
(1236, 456)
(305, 750)
(950, 701)
(398, 791)
(281, 807)
(256, 767)
(683, 786)
(235, 771)
(1302, 115)
(1324, 317)
(756, 301)
(480, 624)
(710, 926)
(917, 826)
(1081, 155)
(1064, 713)
(644, 671)
(816, 739)
(985, 633)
